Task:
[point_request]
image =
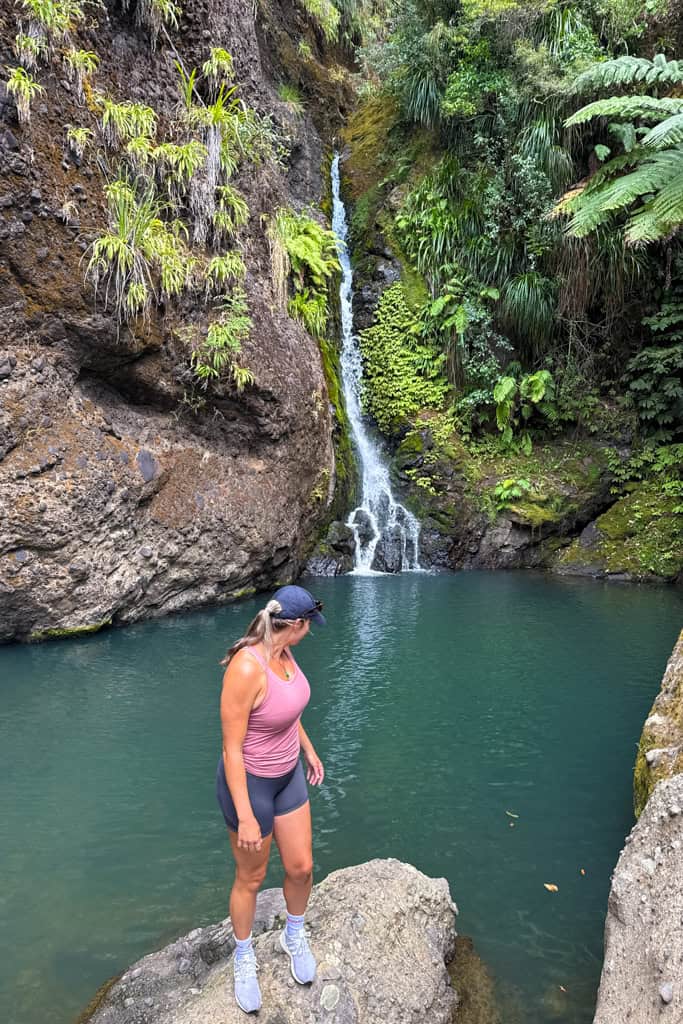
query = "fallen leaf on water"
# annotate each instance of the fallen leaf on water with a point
(583, 871)
(562, 988)
(550, 887)
(512, 814)
(512, 824)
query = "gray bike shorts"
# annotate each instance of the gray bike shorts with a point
(269, 798)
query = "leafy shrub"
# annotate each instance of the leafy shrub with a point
(517, 399)
(326, 15)
(399, 375)
(216, 353)
(300, 246)
(510, 490)
(140, 256)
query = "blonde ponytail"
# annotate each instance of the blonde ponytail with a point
(260, 630)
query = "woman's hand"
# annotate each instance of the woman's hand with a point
(315, 773)
(249, 835)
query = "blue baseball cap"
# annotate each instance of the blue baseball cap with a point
(297, 603)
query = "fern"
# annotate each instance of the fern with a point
(629, 107)
(627, 71)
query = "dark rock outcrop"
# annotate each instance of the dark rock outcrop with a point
(125, 490)
(382, 933)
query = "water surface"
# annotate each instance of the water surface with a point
(439, 704)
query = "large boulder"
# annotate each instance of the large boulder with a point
(642, 975)
(382, 933)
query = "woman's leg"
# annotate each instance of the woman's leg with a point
(250, 872)
(293, 836)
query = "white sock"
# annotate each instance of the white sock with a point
(295, 924)
(242, 946)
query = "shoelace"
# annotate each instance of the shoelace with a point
(297, 945)
(246, 967)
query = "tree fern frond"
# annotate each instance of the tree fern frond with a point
(667, 133)
(628, 70)
(628, 107)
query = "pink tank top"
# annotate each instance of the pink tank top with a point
(271, 745)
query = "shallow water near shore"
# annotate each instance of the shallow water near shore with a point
(441, 706)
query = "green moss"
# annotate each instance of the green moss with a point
(238, 595)
(395, 386)
(346, 472)
(368, 135)
(641, 535)
(534, 514)
(61, 634)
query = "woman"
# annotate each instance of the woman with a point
(260, 782)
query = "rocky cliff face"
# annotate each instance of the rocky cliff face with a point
(382, 933)
(642, 975)
(125, 491)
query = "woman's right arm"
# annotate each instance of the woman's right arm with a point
(242, 683)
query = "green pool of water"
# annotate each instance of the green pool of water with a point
(439, 704)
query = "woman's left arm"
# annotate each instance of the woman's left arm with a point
(315, 771)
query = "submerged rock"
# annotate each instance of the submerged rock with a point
(382, 933)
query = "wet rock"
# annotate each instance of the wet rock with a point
(389, 551)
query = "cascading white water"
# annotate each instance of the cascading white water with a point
(386, 533)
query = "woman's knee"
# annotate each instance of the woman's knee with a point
(300, 872)
(252, 880)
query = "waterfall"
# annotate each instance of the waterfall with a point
(387, 534)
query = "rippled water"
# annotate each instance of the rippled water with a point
(439, 703)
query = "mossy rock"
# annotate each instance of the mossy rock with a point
(66, 632)
(662, 736)
(367, 134)
(641, 537)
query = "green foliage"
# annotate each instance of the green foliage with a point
(516, 401)
(302, 247)
(510, 490)
(52, 20)
(29, 50)
(141, 256)
(304, 50)
(290, 95)
(400, 369)
(215, 355)
(81, 64)
(325, 14)
(78, 139)
(156, 14)
(230, 214)
(124, 121)
(219, 67)
(475, 80)
(223, 269)
(651, 190)
(24, 89)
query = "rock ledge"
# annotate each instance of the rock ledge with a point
(382, 933)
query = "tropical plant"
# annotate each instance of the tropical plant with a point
(223, 269)
(53, 19)
(24, 89)
(298, 244)
(223, 341)
(218, 67)
(325, 14)
(155, 14)
(509, 490)
(517, 399)
(140, 255)
(646, 180)
(81, 64)
(289, 94)
(230, 214)
(78, 139)
(124, 121)
(29, 49)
